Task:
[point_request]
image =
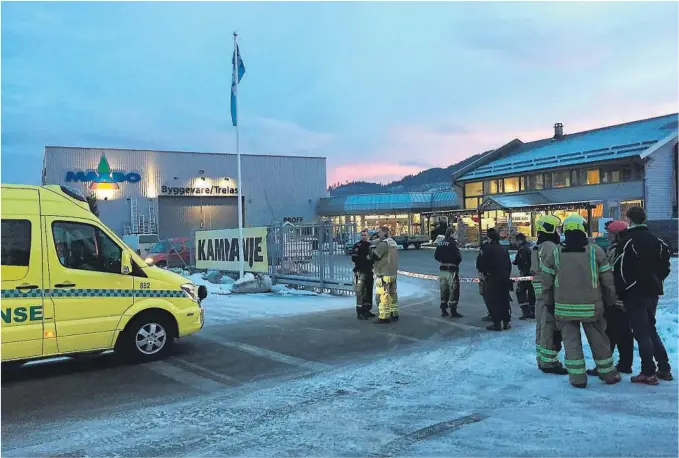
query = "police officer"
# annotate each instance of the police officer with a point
(385, 267)
(577, 284)
(547, 336)
(525, 293)
(448, 254)
(494, 263)
(363, 276)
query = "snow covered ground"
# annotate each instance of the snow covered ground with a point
(221, 306)
(477, 396)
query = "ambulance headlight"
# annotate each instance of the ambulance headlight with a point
(190, 291)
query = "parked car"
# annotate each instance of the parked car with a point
(666, 230)
(174, 252)
(140, 243)
(406, 240)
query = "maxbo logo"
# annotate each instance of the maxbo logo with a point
(103, 177)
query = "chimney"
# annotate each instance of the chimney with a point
(558, 131)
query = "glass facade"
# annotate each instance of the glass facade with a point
(399, 224)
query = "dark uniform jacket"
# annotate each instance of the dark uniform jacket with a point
(642, 264)
(522, 260)
(361, 257)
(493, 261)
(448, 254)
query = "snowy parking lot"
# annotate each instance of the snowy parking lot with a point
(281, 374)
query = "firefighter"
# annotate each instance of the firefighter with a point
(448, 255)
(363, 277)
(577, 283)
(547, 335)
(525, 293)
(385, 268)
(618, 327)
(494, 263)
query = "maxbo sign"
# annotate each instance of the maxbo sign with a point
(103, 177)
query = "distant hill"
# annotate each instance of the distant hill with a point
(436, 179)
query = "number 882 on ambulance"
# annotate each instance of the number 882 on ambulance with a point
(70, 285)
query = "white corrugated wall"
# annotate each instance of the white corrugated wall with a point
(660, 183)
(274, 187)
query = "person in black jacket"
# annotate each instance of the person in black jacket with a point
(448, 254)
(363, 277)
(494, 263)
(525, 293)
(641, 266)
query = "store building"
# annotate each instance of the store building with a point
(175, 193)
(401, 212)
(598, 173)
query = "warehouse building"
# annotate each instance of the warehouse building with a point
(598, 173)
(174, 193)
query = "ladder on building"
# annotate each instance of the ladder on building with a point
(141, 223)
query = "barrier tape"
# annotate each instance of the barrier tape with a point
(462, 279)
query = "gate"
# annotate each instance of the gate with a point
(312, 255)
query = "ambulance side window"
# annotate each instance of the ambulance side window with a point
(16, 242)
(85, 247)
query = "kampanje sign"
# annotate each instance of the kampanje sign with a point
(219, 250)
(215, 191)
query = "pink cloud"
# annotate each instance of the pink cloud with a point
(377, 172)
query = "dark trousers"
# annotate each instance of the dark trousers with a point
(496, 296)
(525, 294)
(620, 334)
(363, 287)
(641, 311)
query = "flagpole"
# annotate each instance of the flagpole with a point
(240, 182)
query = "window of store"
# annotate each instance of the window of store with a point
(548, 180)
(575, 177)
(605, 174)
(561, 179)
(615, 175)
(472, 202)
(625, 173)
(593, 176)
(494, 187)
(473, 189)
(534, 182)
(511, 184)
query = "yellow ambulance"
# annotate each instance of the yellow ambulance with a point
(70, 285)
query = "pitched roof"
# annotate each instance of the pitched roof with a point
(607, 143)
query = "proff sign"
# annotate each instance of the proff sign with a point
(293, 219)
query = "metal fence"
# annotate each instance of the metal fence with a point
(312, 255)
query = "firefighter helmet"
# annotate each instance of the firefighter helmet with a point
(575, 222)
(547, 224)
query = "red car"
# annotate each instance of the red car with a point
(174, 252)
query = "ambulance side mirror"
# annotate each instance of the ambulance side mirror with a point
(126, 263)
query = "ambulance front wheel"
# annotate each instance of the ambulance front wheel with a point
(148, 337)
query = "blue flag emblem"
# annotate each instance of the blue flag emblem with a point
(237, 75)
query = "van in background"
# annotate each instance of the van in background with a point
(140, 243)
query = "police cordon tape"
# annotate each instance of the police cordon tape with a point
(462, 279)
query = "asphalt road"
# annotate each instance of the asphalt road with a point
(240, 356)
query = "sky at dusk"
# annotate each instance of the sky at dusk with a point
(380, 89)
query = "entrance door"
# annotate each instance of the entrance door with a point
(89, 292)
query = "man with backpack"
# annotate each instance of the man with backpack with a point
(641, 266)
